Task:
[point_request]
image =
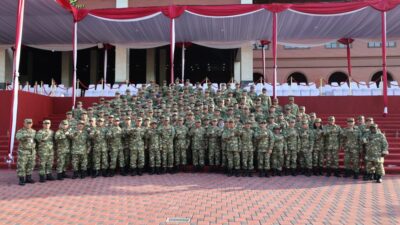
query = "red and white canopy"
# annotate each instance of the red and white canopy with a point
(48, 24)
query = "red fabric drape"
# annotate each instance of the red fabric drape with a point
(347, 42)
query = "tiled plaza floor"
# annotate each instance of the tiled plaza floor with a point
(204, 198)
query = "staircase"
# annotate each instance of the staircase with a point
(389, 125)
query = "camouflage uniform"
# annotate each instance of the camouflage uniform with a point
(167, 135)
(376, 150)
(198, 146)
(318, 151)
(63, 143)
(153, 142)
(79, 151)
(26, 151)
(231, 136)
(292, 140)
(332, 143)
(136, 147)
(45, 138)
(306, 145)
(265, 142)
(114, 136)
(278, 150)
(181, 144)
(100, 154)
(351, 141)
(214, 145)
(247, 149)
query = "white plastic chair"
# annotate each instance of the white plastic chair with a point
(375, 91)
(314, 91)
(394, 88)
(327, 90)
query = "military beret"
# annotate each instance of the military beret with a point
(350, 120)
(111, 116)
(291, 98)
(28, 120)
(370, 119)
(302, 107)
(46, 122)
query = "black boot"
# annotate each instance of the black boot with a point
(273, 172)
(112, 172)
(122, 171)
(279, 173)
(60, 176)
(266, 173)
(250, 173)
(42, 178)
(230, 173)
(378, 179)
(237, 173)
(140, 172)
(83, 174)
(244, 173)
(133, 172)
(75, 175)
(171, 170)
(49, 177)
(372, 176)
(152, 171)
(320, 171)
(328, 172)
(346, 173)
(287, 171)
(95, 173)
(261, 173)
(315, 171)
(366, 176)
(294, 172)
(104, 173)
(64, 175)
(355, 177)
(158, 170)
(337, 173)
(21, 181)
(29, 179)
(308, 173)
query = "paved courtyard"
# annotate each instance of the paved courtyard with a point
(203, 198)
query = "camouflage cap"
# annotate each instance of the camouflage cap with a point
(83, 112)
(292, 121)
(111, 116)
(304, 122)
(64, 122)
(291, 98)
(68, 113)
(101, 99)
(277, 127)
(100, 120)
(81, 122)
(180, 119)
(92, 119)
(360, 117)
(350, 120)
(28, 120)
(197, 121)
(369, 119)
(271, 117)
(153, 122)
(302, 107)
(249, 122)
(287, 107)
(313, 114)
(116, 119)
(79, 103)
(46, 122)
(317, 120)
(127, 118)
(331, 118)
(374, 125)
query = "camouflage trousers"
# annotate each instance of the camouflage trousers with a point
(46, 162)
(305, 158)
(291, 158)
(180, 153)
(127, 156)
(233, 160)
(167, 155)
(352, 159)
(117, 154)
(224, 161)
(263, 160)
(277, 159)
(100, 158)
(63, 158)
(247, 160)
(318, 157)
(79, 161)
(214, 153)
(375, 167)
(332, 158)
(26, 162)
(154, 157)
(137, 158)
(198, 156)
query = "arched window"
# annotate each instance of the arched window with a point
(297, 77)
(257, 77)
(338, 77)
(377, 77)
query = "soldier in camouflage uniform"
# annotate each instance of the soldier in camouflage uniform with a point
(100, 148)
(247, 149)
(292, 139)
(45, 139)
(265, 143)
(231, 136)
(181, 144)
(293, 106)
(126, 127)
(136, 146)
(213, 134)
(167, 135)
(153, 143)
(94, 133)
(79, 151)
(318, 149)
(199, 144)
(278, 150)
(351, 143)
(376, 150)
(26, 152)
(224, 161)
(306, 145)
(114, 137)
(63, 148)
(332, 143)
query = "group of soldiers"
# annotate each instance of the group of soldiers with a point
(172, 128)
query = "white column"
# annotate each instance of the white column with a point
(2, 67)
(121, 64)
(150, 65)
(121, 53)
(93, 66)
(9, 64)
(246, 68)
(162, 66)
(246, 1)
(66, 68)
(236, 71)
